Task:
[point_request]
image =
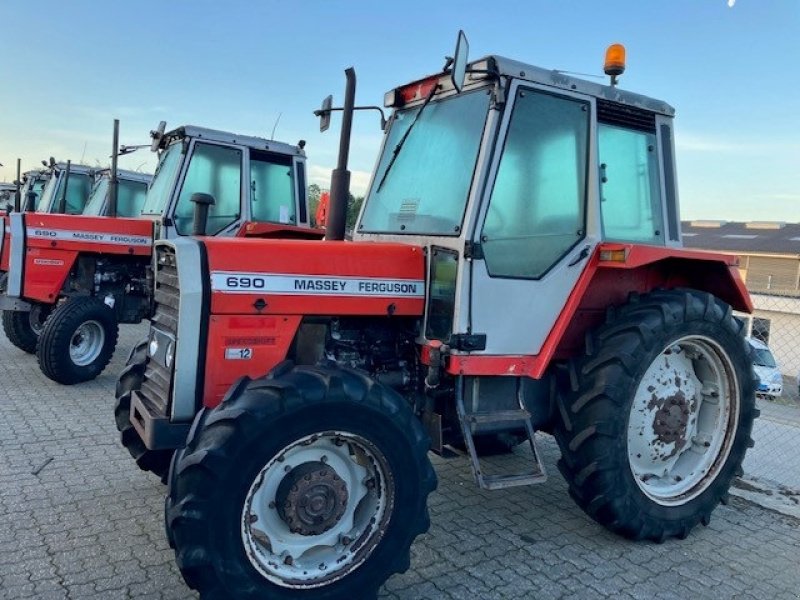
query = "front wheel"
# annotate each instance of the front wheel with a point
(155, 461)
(659, 416)
(312, 483)
(23, 328)
(78, 340)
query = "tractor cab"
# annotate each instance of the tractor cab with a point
(243, 182)
(67, 189)
(536, 171)
(33, 184)
(131, 192)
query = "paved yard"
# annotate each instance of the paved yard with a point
(79, 521)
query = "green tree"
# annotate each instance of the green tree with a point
(314, 193)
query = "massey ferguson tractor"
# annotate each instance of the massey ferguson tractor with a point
(516, 267)
(22, 326)
(79, 277)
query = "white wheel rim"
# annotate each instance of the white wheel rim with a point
(352, 529)
(683, 420)
(86, 343)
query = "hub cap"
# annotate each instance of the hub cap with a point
(683, 420)
(87, 343)
(317, 510)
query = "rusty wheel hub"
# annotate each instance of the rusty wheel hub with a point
(311, 499)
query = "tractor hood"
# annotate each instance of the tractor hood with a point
(307, 277)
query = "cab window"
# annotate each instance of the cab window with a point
(78, 188)
(272, 187)
(629, 184)
(537, 205)
(130, 198)
(214, 170)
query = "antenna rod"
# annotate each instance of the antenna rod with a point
(340, 177)
(114, 182)
(18, 196)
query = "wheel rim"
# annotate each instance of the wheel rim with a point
(317, 510)
(87, 343)
(36, 317)
(683, 420)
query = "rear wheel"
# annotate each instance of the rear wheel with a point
(309, 484)
(659, 416)
(78, 340)
(24, 328)
(155, 461)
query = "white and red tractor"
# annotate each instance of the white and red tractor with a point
(516, 267)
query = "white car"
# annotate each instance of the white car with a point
(771, 379)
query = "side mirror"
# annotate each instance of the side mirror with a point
(324, 114)
(458, 70)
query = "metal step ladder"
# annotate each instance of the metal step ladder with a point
(473, 423)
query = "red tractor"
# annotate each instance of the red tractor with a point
(516, 267)
(62, 188)
(85, 274)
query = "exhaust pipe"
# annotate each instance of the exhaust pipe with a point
(114, 180)
(340, 177)
(18, 196)
(202, 203)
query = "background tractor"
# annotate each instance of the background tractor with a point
(516, 267)
(85, 274)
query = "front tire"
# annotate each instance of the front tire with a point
(154, 461)
(78, 340)
(659, 415)
(23, 328)
(310, 483)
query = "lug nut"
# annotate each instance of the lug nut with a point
(288, 561)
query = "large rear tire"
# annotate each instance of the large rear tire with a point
(310, 483)
(24, 328)
(154, 461)
(659, 415)
(78, 340)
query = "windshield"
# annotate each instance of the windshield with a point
(97, 197)
(426, 190)
(763, 358)
(160, 189)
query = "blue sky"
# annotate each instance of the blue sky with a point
(68, 68)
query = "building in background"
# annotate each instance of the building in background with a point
(769, 255)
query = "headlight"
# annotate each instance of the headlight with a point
(153, 347)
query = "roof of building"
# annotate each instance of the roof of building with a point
(765, 237)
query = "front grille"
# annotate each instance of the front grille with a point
(156, 389)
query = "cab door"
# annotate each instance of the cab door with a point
(532, 228)
(213, 168)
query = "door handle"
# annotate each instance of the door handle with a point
(581, 256)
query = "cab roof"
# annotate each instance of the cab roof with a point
(127, 175)
(232, 138)
(507, 67)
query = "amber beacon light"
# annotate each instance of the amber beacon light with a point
(615, 62)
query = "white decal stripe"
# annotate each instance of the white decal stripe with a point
(234, 282)
(91, 237)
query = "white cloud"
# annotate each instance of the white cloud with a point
(694, 142)
(359, 180)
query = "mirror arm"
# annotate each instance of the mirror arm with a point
(321, 112)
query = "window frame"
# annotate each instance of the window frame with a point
(499, 151)
(248, 171)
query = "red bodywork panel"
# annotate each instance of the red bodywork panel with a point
(5, 246)
(605, 283)
(54, 242)
(279, 231)
(296, 278)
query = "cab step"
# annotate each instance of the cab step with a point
(471, 424)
